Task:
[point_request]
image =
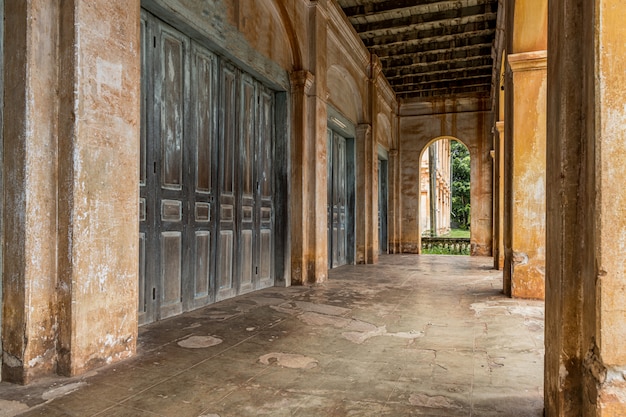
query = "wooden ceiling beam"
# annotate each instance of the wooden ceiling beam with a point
(374, 27)
(475, 91)
(435, 85)
(437, 43)
(382, 7)
(424, 67)
(440, 55)
(448, 75)
(473, 24)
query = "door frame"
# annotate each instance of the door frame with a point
(341, 125)
(383, 200)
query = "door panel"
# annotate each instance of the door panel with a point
(382, 206)
(170, 93)
(337, 200)
(246, 181)
(227, 140)
(200, 289)
(265, 189)
(146, 224)
(171, 274)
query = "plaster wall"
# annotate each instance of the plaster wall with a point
(585, 271)
(70, 282)
(30, 191)
(525, 157)
(524, 148)
(70, 286)
(417, 131)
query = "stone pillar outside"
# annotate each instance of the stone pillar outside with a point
(525, 152)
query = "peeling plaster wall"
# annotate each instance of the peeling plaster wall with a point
(70, 284)
(30, 182)
(70, 287)
(419, 125)
(585, 271)
(98, 196)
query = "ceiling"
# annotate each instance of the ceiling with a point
(429, 48)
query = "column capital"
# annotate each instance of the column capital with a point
(301, 81)
(528, 61)
(364, 129)
(500, 126)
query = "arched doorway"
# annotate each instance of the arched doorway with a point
(444, 193)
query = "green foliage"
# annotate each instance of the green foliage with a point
(455, 233)
(460, 185)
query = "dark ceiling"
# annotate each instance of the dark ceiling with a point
(429, 48)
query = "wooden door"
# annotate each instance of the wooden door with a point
(246, 262)
(265, 189)
(227, 287)
(146, 224)
(172, 207)
(382, 206)
(338, 200)
(201, 147)
(206, 179)
(162, 213)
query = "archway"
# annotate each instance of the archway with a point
(444, 194)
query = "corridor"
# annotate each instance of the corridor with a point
(410, 336)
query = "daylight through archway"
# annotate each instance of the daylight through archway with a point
(445, 204)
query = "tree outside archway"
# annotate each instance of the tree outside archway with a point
(460, 210)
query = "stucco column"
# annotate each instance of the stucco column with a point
(393, 232)
(498, 252)
(71, 171)
(364, 213)
(99, 115)
(525, 159)
(30, 190)
(318, 143)
(301, 83)
(586, 228)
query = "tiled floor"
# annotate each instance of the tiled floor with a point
(411, 336)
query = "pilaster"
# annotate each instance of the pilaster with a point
(301, 85)
(499, 200)
(364, 241)
(525, 146)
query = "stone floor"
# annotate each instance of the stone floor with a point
(411, 336)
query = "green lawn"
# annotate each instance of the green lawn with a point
(458, 233)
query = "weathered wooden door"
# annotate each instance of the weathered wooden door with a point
(201, 145)
(163, 203)
(206, 178)
(337, 199)
(247, 184)
(265, 189)
(382, 206)
(227, 287)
